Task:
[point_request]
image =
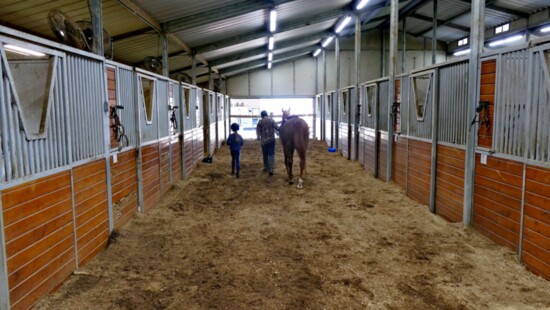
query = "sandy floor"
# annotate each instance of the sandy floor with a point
(346, 241)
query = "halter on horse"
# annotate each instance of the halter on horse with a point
(294, 133)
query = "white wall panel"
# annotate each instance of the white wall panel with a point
(238, 85)
(305, 76)
(283, 79)
(260, 83)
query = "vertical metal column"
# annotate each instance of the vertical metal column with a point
(434, 31)
(435, 111)
(183, 109)
(97, 26)
(210, 80)
(315, 102)
(324, 107)
(404, 48)
(357, 80)
(336, 107)
(383, 53)
(139, 161)
(165, 64)
(4, 287)
(394, 31)
(476, 46)
(107, 145)
(193, 69)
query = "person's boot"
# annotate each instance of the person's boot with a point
(232, 171)
(237, 174)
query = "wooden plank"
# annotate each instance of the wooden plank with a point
(488, 67)
(41, 289)
(31, 190)
(446, 151)
(449, 178)
(537, 226)
(541, 189)
(38, 235)
(536, 251)
(538, 174)
(499, 187)
(91, 212)
(538, 203)
(488, 89)
(508, 166)
(44, 217)
(84, 171)
(538, 240)
(495, 232)
(99, 242)
(488, 78)
(498, 209)
(33, 206)
(536, 266)
(97, 179)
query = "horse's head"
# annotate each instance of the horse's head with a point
(286, 114)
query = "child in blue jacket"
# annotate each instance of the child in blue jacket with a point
(235, 142)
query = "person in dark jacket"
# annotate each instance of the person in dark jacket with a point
(265, 132)
(235, 142)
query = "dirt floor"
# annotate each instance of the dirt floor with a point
(346, 241)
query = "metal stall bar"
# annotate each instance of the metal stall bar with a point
(335, 107)
(394, 24)
(435, 113)
(139, 161)
(107, 144)
(476, 41)
(357, 79)
(324, 108)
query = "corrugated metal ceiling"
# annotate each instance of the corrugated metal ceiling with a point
(232, 33)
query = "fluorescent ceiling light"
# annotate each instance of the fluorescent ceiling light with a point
(269, 65)
(270, 56)
(23, 51)
(507, 40)
(462, 52)
(327, 41)
(361, 4)
(343, 24)
(545, 29)
(273, 21)
(271, 43)
(317, 52)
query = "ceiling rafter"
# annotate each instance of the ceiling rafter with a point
(508, 11)
(439, 22)
(218, 14)
(140, 13)
(262, 50)
(276, 58)
(446, 22)
(291, 25)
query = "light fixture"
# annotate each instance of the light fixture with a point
(343, 24)
(317, 52)
(23, 51)
(269, 65)
(361, 4)
(462, 52)
(327, 41)
(271, 43)
(270, 56)
(545, 29)
(507, 40)
(273, 21)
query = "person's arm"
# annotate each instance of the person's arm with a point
(259, 130)
(229, 140)
(242, 140)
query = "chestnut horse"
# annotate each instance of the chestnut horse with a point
(294, 134)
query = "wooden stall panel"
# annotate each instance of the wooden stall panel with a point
(383, 156)
(188, 144)
(175, 145)
(91, 209)
(536, 222)
(370, 140)
(497, 199)
(164, 166)
(151, 176)
(124, 187)
(399, 173)
(449, 193)
(487, 93)
(419, 171)
(38, 221)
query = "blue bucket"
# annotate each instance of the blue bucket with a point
(332, 150)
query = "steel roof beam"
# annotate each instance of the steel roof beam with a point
(440, 22)
(409, 8)
(508, 11)
(276, 58)
(130, 34)
(219, 14)
(144, 16)
(262, 50)
(291, 25)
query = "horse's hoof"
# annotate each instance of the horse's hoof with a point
(300, 184)
(290, 182)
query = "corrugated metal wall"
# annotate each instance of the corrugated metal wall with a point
(162, 108)
(453, 101)
(539, 118)
(86, 86)
(421, 127)
(149, 130)
(383, 89)
(127, 98)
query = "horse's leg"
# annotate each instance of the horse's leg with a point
(289, 153)
(302, 154)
